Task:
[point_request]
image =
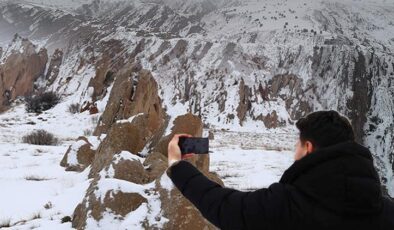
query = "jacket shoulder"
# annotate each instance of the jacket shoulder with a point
(387, 217)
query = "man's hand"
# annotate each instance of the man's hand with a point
(174, 152)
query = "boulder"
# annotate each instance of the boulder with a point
(109, 191)
(79, 155)
(106, 197)
(127, 166)
(93, 109)
(127, 135)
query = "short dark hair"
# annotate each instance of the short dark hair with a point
(325, 128)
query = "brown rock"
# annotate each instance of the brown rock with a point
(123, 136)
(123, 203)
(181, 212)
(189, 124)
(130, 170)
(103, 78)
(133, 93)
(244, 101)
(19, 71)
(93, 109)
(118, 202)
(54, 66)
(79, 155)
(294, 85)
(271, 120)
(156, 164)
(85, 106)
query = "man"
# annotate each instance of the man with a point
(331, 185)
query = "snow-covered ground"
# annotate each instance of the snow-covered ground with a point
(37, 193)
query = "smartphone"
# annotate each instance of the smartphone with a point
(197, 145)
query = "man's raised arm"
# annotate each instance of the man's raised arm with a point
(228, 208)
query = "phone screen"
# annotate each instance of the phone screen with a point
(197, 145)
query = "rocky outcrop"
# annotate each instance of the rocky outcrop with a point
(54, 66)
(129, 135)
(134, 91)
(20, 67)
(285, 87)
(244, 101)
(130, 162)
(110, 62)
(116, 171)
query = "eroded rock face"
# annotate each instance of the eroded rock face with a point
(244, 101)
(20, 67)
(133, 92)
(286, 87)
(79, 155)
(54, 66)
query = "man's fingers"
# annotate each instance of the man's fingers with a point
(176, 136)
(183, 135)
(188, 155)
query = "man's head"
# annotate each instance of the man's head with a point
(321, 129)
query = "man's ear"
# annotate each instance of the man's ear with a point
(309, 147)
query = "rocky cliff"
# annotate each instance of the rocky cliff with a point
(21, 65)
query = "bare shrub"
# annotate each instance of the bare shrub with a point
(40, 137)
(41, 102)
(66, 219)
(74, 108)
(5, 223)
(35, 178)
(48, 205)
(87, 132)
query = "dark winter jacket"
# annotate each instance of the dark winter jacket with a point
(336, 187)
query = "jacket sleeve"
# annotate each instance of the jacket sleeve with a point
(228, 208)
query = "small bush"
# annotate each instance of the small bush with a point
(35, 178)
(74, 108)
(66, 219)
(40, 137)
(5, 223)
(87, 132)
(41, 102)
(48, 205)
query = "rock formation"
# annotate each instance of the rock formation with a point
(54, 66)
(129, 164)
(20, 67)
(79, 155)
